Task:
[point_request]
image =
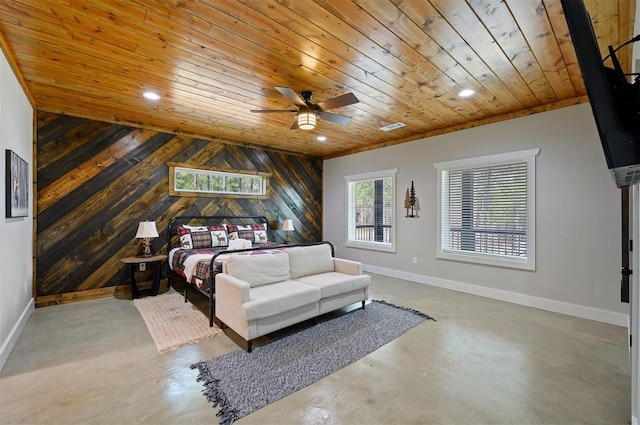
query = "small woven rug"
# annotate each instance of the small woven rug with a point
(241, 383)
(173, 323)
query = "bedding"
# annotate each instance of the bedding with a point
(195, 264)
(193, 241)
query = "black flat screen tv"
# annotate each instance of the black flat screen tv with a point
(615, 102)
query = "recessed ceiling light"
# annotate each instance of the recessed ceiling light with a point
(466, 93)
(151, 95)
(322, 138)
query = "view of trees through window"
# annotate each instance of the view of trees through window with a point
(373, 209)
(191, 180)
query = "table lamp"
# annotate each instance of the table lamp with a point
(146, 231)
(287, 226)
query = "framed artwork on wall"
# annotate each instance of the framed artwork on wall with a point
(17, 185)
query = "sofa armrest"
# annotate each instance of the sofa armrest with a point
(347, 266)
(231, 293)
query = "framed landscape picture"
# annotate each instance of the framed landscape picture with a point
(17, 185)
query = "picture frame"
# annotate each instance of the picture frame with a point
(17, 185)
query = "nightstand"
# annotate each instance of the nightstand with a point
(134, 263)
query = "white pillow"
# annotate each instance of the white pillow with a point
(235, 244)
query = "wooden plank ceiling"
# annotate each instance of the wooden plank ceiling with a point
(214, 61)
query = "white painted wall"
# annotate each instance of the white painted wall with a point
(577, 226)
(634, 321)
(16, 234)
(635, 263)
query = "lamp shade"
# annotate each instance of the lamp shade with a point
(306, 120)
(287, 225)
(147, 229)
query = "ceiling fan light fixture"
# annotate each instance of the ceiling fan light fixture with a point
(306, 120)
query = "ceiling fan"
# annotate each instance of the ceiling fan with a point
(308, 113)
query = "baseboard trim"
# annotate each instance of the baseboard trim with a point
(91, 294)
(575, 310)
(10, 342)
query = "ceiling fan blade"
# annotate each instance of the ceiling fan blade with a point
(294, 126)
(263, 111)
(335, 118)
(290, 94)
(337, 102)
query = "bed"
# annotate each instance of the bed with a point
(197, 246)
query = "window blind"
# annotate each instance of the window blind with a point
(487, 210)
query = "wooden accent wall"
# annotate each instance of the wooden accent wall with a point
(96, 181)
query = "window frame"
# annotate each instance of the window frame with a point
(350, 241)
(518, 157)
(176, 166)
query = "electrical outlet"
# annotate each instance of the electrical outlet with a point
(142, 267)
(415, 260)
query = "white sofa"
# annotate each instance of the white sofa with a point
(259, 294)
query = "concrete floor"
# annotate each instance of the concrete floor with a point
(482, 362)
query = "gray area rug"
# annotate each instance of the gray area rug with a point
(241, 383)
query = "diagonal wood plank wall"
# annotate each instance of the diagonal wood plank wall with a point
(97, 180)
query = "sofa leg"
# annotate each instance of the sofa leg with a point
(363, 305)
(249, 346)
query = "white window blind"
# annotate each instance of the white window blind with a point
(487, 210)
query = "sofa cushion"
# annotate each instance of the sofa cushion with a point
(333, 283)
(269, 300)
(259, 269)
(308, 260)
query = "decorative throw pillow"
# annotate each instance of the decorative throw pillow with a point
(245, 232)
(235, 244)
(198, 237)
(232, 231)
(259, 233)
(219, 236)
(194, 237)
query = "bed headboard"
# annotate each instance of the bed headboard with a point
(214, 220)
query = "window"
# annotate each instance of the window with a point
(187, 181)
(370, 210)
(486, 209)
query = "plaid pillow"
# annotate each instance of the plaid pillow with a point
(256, 233)
(232, 231)
(196, 237)
(245, 232)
